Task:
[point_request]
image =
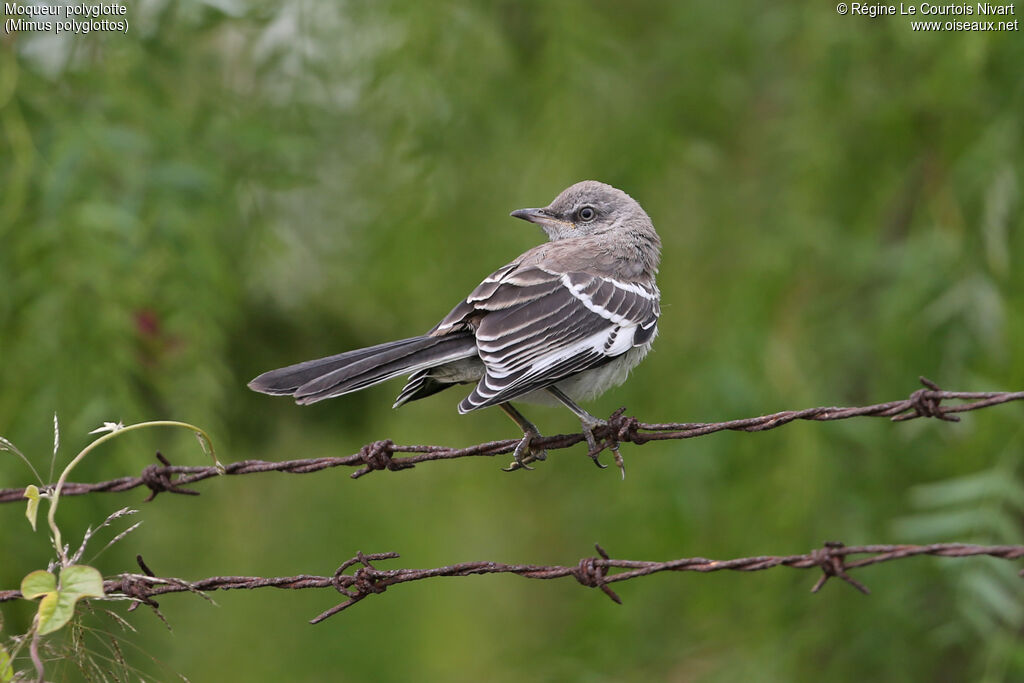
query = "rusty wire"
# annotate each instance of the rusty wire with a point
(833, 559)
(379, 455)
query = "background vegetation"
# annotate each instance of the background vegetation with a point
(232, 187)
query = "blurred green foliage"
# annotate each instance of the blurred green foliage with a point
(232, 187)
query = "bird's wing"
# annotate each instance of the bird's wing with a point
(536, 326)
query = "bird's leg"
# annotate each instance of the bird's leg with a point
(525, 452)
(589, 422)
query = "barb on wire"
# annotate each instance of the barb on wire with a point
(620, 428)
(833, 559)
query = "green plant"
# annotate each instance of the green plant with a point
(66, 581)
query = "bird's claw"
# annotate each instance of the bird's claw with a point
(595, 449)
(525, 453)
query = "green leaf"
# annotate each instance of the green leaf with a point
(58, 605)
(38, 583)
(49, 621)
(6, 668)
(32, 509)
(81, 581)
(76, 582)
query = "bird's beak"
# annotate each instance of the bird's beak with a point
(532, 215)
(541, 217)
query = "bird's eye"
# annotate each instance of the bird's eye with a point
(586, 213)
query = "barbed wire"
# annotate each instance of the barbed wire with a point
(833, 559)
(621, 428)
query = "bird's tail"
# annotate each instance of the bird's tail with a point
(344, 373)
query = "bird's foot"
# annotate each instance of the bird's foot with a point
(526, 452)
(589, 424)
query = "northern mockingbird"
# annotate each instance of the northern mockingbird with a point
(563, 322)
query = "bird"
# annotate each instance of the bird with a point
(563, 322)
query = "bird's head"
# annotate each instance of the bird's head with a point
(587, 208)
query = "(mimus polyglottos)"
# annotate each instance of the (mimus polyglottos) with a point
(566, 320)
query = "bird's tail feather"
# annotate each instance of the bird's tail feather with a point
(316, 380)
